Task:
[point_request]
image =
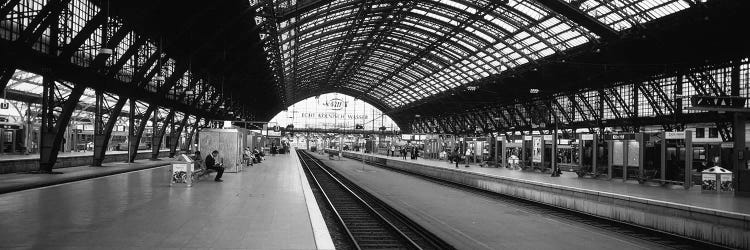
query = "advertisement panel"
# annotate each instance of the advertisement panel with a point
(536, 150)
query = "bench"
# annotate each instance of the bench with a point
(200, 173)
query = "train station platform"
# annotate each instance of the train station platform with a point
(263, 207)
(30, 162)
(468, 220)
(22, 181)
(719, 218)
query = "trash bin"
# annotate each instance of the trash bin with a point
(182, 171)
(716, 179)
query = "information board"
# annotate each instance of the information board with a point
(536, 151)
(617, 151)
(633, 153)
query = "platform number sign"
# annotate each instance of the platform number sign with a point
(4, 105)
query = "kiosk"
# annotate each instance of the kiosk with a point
(229, 142)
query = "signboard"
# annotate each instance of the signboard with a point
(179, 167)
(227, 124)
(621, 137)
(406, 137)
(527, 138)
(588, 137)
(547, 137)
(675, 135)
(335, 104)
(717, 101)
(4, 105)
(536, 150)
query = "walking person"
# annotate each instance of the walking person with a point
(468, 154)
(456, 156)
(212, 165)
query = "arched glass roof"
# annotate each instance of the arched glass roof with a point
(398, 52)
(334, 111)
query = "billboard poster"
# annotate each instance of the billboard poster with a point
(536, 150)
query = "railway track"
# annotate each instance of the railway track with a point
(367, 222)
(665, 239)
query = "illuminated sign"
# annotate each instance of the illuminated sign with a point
(336, 104)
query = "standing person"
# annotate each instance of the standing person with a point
(456, 155)
(211, 164)
(403, 152)
(468, 154)
(393, 150)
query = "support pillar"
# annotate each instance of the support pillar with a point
(132, 138)
(158, 138)
(139, 133)
(99, 142)
(740, 156)
(53, 138)
(175, 136)
(101, 149)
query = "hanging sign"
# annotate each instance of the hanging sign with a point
(335, 104)
(675, 135)
(4, 105)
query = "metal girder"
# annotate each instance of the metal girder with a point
(175, 134)
(33, 61)
(174, 137)
(33, 31)
(299, 8)
(650, 99)
(338, 131)
(435, 44)
(88, 29)
(52, 141)
(576, 15)
(159, 137)
(8, 7)
(384, 26)
(131, 51)
(171, 81)
(99, 152)
(338, 53)
(193, 129)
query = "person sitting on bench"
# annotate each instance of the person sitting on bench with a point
(211, 164)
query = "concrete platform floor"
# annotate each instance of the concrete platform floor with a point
(471, 221)
(260, 208)
(16, 157)
(21, 181)
(691, 197)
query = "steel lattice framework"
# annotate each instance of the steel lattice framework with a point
(393, 53)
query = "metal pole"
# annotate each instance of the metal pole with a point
(555, 141)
